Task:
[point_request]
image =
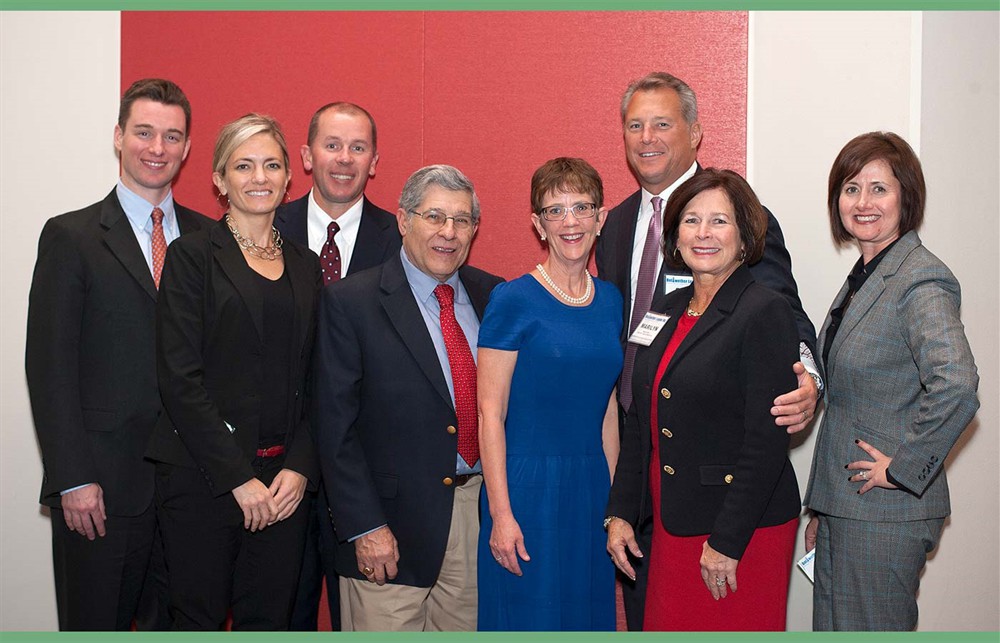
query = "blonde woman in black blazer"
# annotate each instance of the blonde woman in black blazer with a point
(718, 484)
(235, 325)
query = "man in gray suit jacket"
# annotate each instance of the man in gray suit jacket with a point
(91, 367)
(350, 234)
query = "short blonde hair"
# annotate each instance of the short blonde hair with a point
(238, 132)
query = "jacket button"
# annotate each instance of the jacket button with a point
(728, 478)
(451, 429)
(665, 392)
(665, 431)
(669, 470)
(448, 482)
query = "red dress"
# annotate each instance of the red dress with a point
(676, 596)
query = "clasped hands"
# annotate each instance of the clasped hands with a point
(263, 506)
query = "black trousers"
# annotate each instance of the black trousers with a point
(99, 582)
(317, 563)
(634, 594)
(215, 565)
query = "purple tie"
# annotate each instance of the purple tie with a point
(329, 256)
(643, 295)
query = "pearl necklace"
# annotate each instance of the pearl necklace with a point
(576, 301)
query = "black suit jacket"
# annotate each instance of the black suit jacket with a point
(209, 359)
(378, 235)
(731, 472)
(382, 412)
(90, 356)
(614, 264)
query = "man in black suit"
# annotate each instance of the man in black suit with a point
(351, 234)
(661, 130)
(91, 367)
(389, 395)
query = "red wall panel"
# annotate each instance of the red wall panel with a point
(493, 93)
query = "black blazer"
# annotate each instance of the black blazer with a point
(731, 472)
(209, 359)
(90, 356)
(382, 410)
(614, 264)
(378, 235)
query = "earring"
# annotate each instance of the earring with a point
(598, 233)
(677, 254)
(543, 236)
(220, 197)
(743, 255)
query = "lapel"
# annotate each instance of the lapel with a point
(872, 289)
(479, 290)
(290, 220)
(230, 258)
(370, 246)
(628, 211)
(826, 324)
(304, 290)
(120, 239)
(404, 314)
(718, 311)
(648, 359)
(187, 220)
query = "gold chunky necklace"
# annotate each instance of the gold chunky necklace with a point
(267, 253)
(576, 301)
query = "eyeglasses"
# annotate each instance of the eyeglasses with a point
(437, 219)
(559, 212)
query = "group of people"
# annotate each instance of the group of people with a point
(230, 411)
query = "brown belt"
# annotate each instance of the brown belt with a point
(462, 478)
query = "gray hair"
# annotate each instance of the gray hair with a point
(238, 132)
(662, 80)
(444, 176)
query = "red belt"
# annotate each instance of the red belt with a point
(271, 452)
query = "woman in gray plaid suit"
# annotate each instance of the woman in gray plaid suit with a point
(901, 387)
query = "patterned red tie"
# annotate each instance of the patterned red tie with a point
(463, 376)
(329, 255)
(643, 295)
(159, 246)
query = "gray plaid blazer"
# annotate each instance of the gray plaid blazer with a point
(901, 377)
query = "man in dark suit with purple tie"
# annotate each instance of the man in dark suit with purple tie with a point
(350, 234)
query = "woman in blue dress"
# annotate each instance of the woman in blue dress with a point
(549, 356)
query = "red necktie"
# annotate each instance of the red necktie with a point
(329, 255)
(463, 376)
(159, 246)
(643, 295)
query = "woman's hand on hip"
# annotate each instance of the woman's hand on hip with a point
(507, 544)
(257, 504)
(718, 571)
(621, 542)
(288, 488)
(871, 473)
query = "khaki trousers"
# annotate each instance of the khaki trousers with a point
(450, 605)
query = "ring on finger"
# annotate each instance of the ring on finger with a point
(719, 582)
(367, 571)
(499, 558)
(804, 416)
(863, 474)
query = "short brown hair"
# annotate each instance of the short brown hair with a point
(158, 90)
(751, 219)
(564, 174)
(875, 146)
(341, 107)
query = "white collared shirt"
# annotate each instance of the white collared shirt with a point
(642, 227)
(317, 222)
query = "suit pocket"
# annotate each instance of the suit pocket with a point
(713, 475)
(387, 486)
(100, 420)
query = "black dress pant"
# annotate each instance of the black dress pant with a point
(317, 563)
(99, 582)
(634, 593)
(216, 565)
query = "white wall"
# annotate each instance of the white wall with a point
(817, 79)
(58, 106)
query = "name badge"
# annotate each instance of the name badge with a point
(674, 282)
(648, 328)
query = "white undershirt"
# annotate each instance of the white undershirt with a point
(317, 222)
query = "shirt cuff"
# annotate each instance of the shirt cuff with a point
(807, 359)
(63, 493)
(351, 540)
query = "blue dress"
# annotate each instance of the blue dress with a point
(557, 475)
